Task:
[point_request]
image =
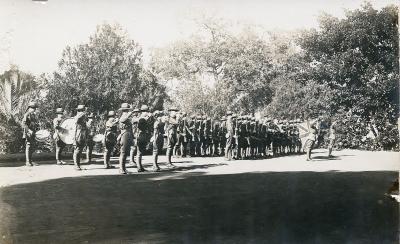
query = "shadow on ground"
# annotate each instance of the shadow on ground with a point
(289, 207)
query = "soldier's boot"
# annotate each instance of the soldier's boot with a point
(169, 156)
(106, 159)
(77, 159)
(122, 161)
(28, 155)
(155, 162)
(58, 156)
(139, 163)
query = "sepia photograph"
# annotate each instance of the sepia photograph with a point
(199, 121)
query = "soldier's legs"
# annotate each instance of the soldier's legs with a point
(59, 148)
(133, 153)
(89, 150)
(28, 154)
(77, 156)
(126, 143)
(183, 148)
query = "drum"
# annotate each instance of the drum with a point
(67, 131)
(98, 138)
(42, 135)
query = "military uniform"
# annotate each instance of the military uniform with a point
(110, 138)
(91, 132)
(142, 136)
(158, 139)
(56, 136)
(125, 138)
(30, 125)
(230, 131)
(135, 120)
(80, 135)
(171, 128)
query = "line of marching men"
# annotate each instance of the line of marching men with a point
(137, 130)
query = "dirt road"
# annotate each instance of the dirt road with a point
(205, 200)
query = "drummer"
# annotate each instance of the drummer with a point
(56, 136)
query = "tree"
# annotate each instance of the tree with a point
(235, 68)
(17, 89)
(103, 73)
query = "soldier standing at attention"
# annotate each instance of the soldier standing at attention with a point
(80, 135)
(30, 126)
(56, 136)
(135, 120)
(141, 136)
(171, 126)
(125, 137)
(197, 136)
(184, 135)
(190, 135)
(158, 138)
(230, 130)
(91, 132)
(110, 138)
(221, 136)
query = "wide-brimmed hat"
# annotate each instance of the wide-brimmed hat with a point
(90, 116)
(80, 107)
(111, 114)
(173, 109)
(228, 113)
(124, 107)
(223, 118)
(136, 110)
(32, 105)
(59, 110)
(144, 108)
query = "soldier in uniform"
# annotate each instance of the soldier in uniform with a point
(30, 126)
(91, 130)
(135, 120)
(332, 138)
(230, 131)
(110, 138)
(191, 135)
(142, 135)
(207, 136)
(125, 138)
(197, 136)
(312, 137)
(221, 136)
(171, 129)
(158, 138)
(56, 136)
(80, 135)
(215, 140)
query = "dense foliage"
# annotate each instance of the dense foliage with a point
(346, 70)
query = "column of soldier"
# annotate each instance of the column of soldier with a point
(233, 136)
